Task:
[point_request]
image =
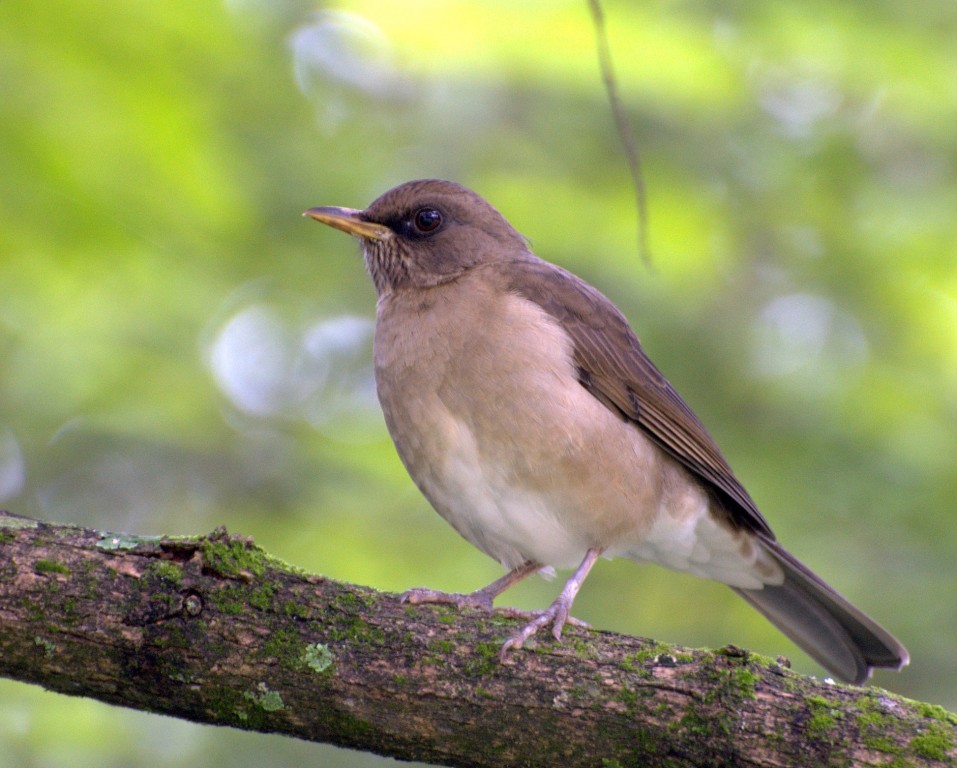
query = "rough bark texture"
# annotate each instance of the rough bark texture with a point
(214, 630)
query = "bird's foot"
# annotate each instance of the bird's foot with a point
(479, 599)
(556, 614)
(518, 613)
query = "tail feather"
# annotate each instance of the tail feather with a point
(840, 637)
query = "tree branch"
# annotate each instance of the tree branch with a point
(212, 629)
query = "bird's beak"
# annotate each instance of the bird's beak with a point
(350, 221)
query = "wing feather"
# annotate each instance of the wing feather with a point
(616, 370)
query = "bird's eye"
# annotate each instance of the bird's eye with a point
(426, 220)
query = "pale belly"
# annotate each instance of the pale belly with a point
(525, 463)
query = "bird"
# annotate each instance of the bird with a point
(528, 414)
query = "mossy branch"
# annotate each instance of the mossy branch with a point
(214, 630)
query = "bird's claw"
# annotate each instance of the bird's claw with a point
(556, 614)
(530, 616)
(478, 599)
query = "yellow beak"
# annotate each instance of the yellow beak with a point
(349, 220)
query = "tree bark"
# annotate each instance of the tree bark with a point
(212, 629)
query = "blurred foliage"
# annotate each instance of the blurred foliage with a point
(179, 349)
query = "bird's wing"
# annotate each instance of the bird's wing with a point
(615, 369)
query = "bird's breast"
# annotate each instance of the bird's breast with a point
(482, 400)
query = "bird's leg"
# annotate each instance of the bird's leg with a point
(480, 598)
(557, 612)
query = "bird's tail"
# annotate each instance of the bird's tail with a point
(833, 632)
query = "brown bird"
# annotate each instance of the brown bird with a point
(526, 411)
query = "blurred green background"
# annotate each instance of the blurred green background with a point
(180, 349)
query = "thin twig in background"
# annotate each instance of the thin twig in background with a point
(623, 125)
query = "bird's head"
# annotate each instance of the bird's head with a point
(424, 233)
